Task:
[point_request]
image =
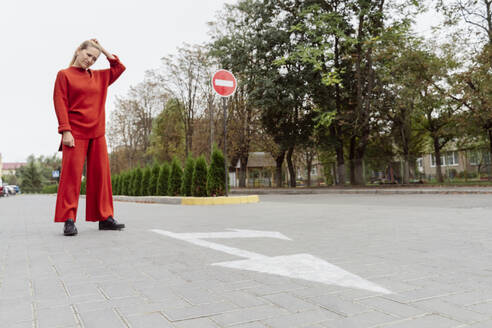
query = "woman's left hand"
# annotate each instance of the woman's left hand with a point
(97, 43)
(106, 53)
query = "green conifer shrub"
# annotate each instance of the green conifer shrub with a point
(188, 177)
(83, 187)
(216, 174)
(152, 191)
(199, 180)
(175, 178)
(114, 184)
(123, 180)
(137, 182)
(131, 182)
(128, 182)
(163, 181)
(144, 188)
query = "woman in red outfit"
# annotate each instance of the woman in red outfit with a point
(79, 98)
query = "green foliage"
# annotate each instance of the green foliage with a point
(83, 188)
(144, 188)
(131, 178)
(113, 183)
(324, 119)
(11, 179)
(216, 174)
(123, 183)
(50, 189)
(128, 183)
(152, 190)
(163, 180)
(168, 133)
(188, 177)
(199, 180)
(31, 176)
(175, 179)
(137, 182)
(118, 185)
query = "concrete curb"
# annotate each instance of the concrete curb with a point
(402, 191)
(189, 200)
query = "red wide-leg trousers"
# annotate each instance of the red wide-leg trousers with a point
(99, 195)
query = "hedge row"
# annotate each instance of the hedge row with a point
(196, 179)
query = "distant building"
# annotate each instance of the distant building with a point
(456, 162)
(259, 171)
(10, 168)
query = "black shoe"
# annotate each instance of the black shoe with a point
(110, 224)
(69, 229)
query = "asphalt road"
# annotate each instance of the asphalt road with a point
(331, 261)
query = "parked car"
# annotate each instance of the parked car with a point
(14, 189)
(8, 190)
(3, 192)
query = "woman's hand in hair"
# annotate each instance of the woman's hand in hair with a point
(106, 53)
(68, 139)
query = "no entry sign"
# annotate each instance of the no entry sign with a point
(224, 83)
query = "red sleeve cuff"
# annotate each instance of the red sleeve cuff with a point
(114, 61)
(64, 127)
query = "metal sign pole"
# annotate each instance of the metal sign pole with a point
(224, 84)
(211, 108)
(224, 105)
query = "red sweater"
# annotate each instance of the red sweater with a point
(80, 96)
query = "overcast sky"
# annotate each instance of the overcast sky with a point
(40, 37)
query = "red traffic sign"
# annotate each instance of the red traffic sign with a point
(224, 83)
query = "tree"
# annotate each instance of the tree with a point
(234, 47)
(404, 60)
(48, 164)
(199, 180)
(340, 39)
(11, 179)
(188, 177)
(175, 178)
(287, 112)
(216, 174)
(182, 76)
(472, 86)
(477, 14)
(437, 112)
(168, 134)
(163, 181)
(308, 154)
(130, 124)
(31, 176)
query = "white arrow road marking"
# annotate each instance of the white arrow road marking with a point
(234, 233)
(300, 266)
(218, 247)
(224, 83)
(306, 267)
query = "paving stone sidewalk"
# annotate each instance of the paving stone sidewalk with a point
(432, 251)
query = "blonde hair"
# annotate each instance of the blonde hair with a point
(86, 44)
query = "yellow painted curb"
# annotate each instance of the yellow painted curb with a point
(220, 200)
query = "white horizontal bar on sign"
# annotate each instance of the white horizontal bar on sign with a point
(224, 83)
